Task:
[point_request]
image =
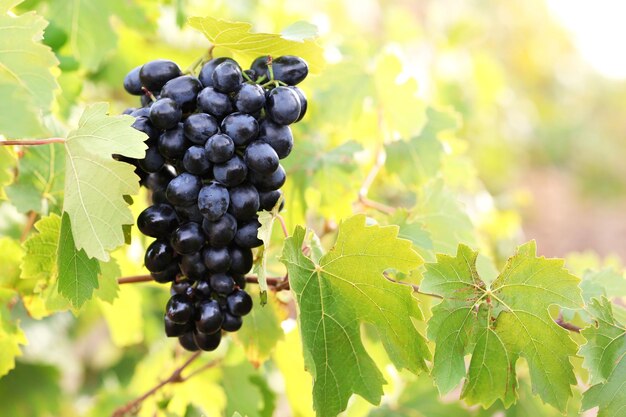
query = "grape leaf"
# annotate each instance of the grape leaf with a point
(261, 330)
(345, 288)
(90, 34)
(11, 255)
(40, 260)
(11, 336)
(39, 184)
(605, 358)
(299, 31)
(78, 274)
(417, 160)
(246, 392)
(236, 36)
(27, 83)
(499, 322)
(95, 183)
(411, 230)
(7, 165)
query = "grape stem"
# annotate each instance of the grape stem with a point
(32, 216)
(567, 326)
(200, 60)
(134, 279)
(32, 142)
(175, 377)
(277, 283)
(283, 226)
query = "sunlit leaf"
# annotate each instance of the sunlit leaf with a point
(11, 336)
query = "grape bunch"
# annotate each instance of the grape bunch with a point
(215, 142)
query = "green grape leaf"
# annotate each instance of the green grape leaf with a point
(411, 230)
(419, 159)
(607, 282)
(261, 330)
(11, 336)
(344, 289)
(31, 390)
(88, 24)
(7, 165)
(11, 256)
(299, 31)
(27, 83)
(39, 184)
(108, 287)
(605, 357)
(40, 260)
(78, 274)
(246, 391)
(266, 218)
(499, 322)
(95, 183)
(237, 37)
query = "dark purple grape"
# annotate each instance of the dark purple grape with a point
(231, 173)
(187, 239)
(165, 114)
(227, 77)
(220, 148)
(184, 91)
(290, 69)
(132, 83)
(143, 124)
(155, 74)
(215, 103)
(221, 283)
(241, 260)
(159, 256)
(158, 220)
(221, 232)
(277, 136)
(213, 201)
(179, 309)
(188, 342)
(283, 105)
(207, 342)
(231, 322)
(175, 329)
(153, 161)
(240, 280)
(193, 267)
(303, 102)
(246, 236)
(181, 287)
(196, 161)
(199, 127)
(189, 213)
(142, 112)
(239, 303)
(167, 275)
(173, 144)
(216, 259)
(261, 157)
(259, 66)
(206, 72)
(209, 318)
(250, 98)
(203, 289)
(268, 199)
(183, 190)
(264, 182)
(244, 201)
(242, 128)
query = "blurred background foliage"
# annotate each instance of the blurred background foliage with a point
(481, 119)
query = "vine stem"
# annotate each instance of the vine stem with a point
(134, 279)
(567, 326)
(32, 142)
(174, 378)
(283, 226)
(32, 216)
(200, 60)
(277, 283)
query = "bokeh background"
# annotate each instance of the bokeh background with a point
(532, 99)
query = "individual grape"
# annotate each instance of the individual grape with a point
(208, 342)
(239, 303)
(153, 161)
(141, 112)
(227, 77)
(183, 190)
(159, 256)
(250, 98)
(221, 283)
(246, 236)
(196, 161)
(193, 267)
(206, 72)
(260, 68)
(188, 342)
(215, 103)
(216, 259)
(173, 144)
(158, 220)
(268, 199)
(240, 280)
(155, 74)
(303, 102)
(290, 69)
(221, 232)
(244, 201)
(213, 201)
(175, 329)
(181, 287)
(231, 173)
(132, 83)
(261, 157)
(179, 309)
(167, 275)
(203, 289)
(199, 127)
(283, 105)
(231, 322)
(184, 91)
(209, 318)
(273, 181)
(144, 125)
(165, 114)
(189, 213)
(241, 260)
(277, 136)
(187, 239)
(242, 128)
(220, 148)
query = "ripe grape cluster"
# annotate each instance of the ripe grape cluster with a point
(214, 145)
